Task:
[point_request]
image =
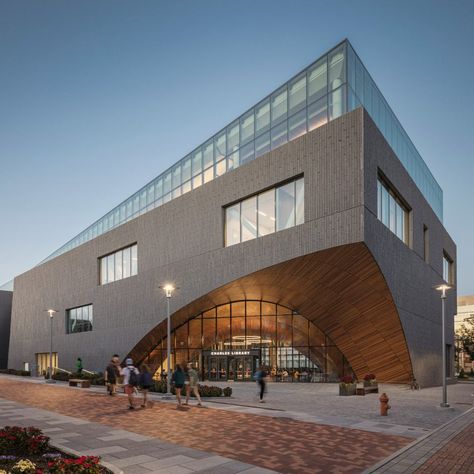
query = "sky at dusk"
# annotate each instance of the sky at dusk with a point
(99, 97)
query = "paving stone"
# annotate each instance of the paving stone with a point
(125, 462)
(167, 462)
(106, 450)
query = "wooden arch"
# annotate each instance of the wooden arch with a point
(341, 290)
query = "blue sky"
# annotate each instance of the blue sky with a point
(98, 97)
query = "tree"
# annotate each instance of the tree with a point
(465, 339)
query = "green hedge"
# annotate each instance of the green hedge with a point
(96, 379)
(204, 390)
(23, 373)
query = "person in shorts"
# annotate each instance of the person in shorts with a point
(130, 380)
(146, 383)
(192, 386)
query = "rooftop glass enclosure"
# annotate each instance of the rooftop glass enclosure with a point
(333, 85)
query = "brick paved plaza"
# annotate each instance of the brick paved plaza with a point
(232, 435)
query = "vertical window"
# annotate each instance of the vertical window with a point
(299, 201)
(317, 80)
(391, 211)
(119, 265)
(262, 144)
(233, 137)
(246, 127)
(317, 114)
(426, 244)
(285, 206)
(279, 105)
(134, 257)
(262, 117)
(337, 73)
(266, 213)
(297, 125)
(337, 103)
(232, 228)
(208, 154)
(279, 135)
(186, 170)
(447, 269)
(297, 94)
(249, 218)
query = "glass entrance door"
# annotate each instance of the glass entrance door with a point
(215, 368)
(242, 368)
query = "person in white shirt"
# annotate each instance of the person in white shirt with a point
(130, 380)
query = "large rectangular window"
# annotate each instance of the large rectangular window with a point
(391, 210)
(276, 209)
(118, 265)
(79, 319)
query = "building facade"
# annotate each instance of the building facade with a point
(307, 236)
(464, 317)
(5, 317)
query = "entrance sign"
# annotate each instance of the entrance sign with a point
(251, 352)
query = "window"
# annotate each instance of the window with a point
(79, 319)
(276, 209)
(426, 244)
(447, 268)
(391, 211)
(118, 265)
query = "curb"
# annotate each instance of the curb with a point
(73, 452)
(398, 453)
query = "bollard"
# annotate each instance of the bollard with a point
(384, 406)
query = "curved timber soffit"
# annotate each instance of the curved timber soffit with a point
(341, 290)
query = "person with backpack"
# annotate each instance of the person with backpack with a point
(177, 380)
(146, 383)
(131, 379)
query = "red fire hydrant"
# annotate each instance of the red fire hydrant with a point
(384, 406)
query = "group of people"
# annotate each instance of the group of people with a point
(134, 379)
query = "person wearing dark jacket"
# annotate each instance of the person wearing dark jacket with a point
(111, 375)
(178, 381)
(146, 383)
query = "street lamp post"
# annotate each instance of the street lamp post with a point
(51, 315)
(443, 289)
(168, 292)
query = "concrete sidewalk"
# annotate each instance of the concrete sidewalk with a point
(120, 450)
(446, 449)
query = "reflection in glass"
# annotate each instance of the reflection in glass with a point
(279, 105)
(285, 199)
(262, 117)
(232, 225)
(266, 213)
(249, 218)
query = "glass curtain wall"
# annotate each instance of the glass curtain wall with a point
(224, 339)
(362, 90)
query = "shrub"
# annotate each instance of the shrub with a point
(471, 373)
(369, 377)
(347, 379)
(18, 440)
(204, 390)
(462, 374)
(22, 373)
(82, 465)
(227, 392)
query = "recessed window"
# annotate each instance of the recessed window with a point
(79, 319)
(119, 265)
(276, 209)
(391, 210)
(447, 268)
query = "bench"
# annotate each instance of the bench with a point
(365, 390)
(79, 382)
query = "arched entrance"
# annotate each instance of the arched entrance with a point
(230, 341)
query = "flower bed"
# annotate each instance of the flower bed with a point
(204, 390)
(370, 380)
(27, 451)
(23, 373)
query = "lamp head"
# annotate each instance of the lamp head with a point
(51, 312)
(443, 289)
(168, 289)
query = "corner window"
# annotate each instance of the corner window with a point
(391, 210)
(118, 265)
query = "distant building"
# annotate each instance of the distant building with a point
(464, 316)
(306, 235)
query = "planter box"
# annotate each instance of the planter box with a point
(370, 383)
(347, 389)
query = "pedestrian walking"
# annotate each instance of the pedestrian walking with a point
(111, 375)
(192, 380)
(79, 365)
(261, 376)
(178, 379)
(130, 379)
(146, 383)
